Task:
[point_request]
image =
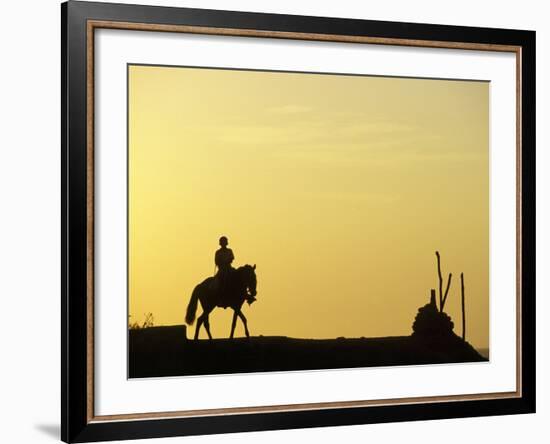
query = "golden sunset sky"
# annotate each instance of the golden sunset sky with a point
(340, 188)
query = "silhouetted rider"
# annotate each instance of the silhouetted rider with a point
(223, 259)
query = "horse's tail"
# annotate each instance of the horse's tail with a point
(192, 307)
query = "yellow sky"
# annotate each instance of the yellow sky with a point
(340, 189)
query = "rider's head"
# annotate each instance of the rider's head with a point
(223, 241)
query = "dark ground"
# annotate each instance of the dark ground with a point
(165, 351)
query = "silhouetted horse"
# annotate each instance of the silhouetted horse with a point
(240, 286)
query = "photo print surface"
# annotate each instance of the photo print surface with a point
(284, 221)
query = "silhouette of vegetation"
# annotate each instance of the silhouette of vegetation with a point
(147, 323)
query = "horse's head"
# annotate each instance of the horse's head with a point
(249, 279)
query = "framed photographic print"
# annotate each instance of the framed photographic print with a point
(275, 221)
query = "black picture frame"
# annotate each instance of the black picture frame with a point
(77, 425)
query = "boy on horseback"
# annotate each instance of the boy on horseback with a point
(223, 259)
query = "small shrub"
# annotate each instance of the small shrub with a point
(148, 322)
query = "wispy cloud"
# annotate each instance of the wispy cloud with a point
(347, 197)
(290, 109)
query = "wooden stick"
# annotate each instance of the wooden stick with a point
(463, 307)
(440, 281)
(446, 291)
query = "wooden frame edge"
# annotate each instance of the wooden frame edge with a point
(303, 407)
(105, 24)
(336, 38)
(90, 186)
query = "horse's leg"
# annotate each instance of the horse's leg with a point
(233, 324)
(200, 320)
(243, 318)
(207, 324)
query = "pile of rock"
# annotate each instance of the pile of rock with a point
(432, 324)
